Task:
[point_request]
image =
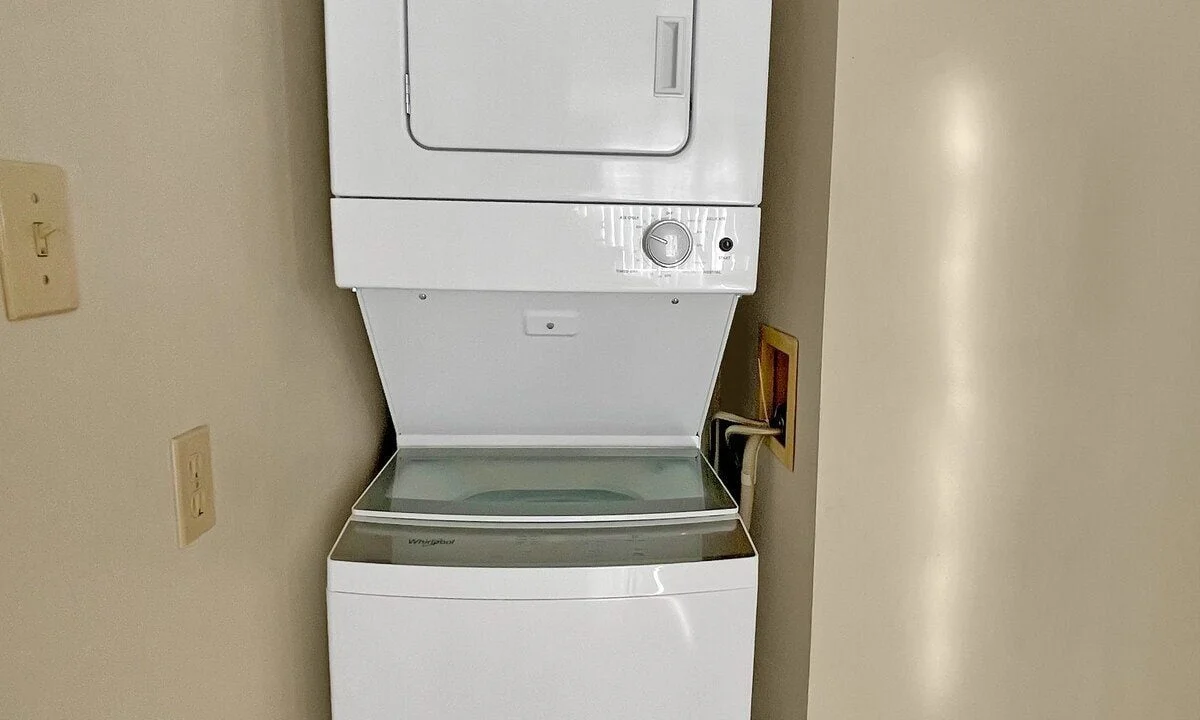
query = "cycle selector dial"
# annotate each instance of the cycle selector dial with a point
(668, 243)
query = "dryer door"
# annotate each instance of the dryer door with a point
(611, 77)
(604, 77)
(605, 101)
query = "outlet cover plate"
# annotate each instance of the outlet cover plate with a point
(37, 249)
(778, 358)
(195, 505)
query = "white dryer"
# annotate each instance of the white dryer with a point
(641, 101)
(548, 209)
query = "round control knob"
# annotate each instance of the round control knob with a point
(668, 243)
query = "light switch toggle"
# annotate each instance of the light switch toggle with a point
(41, 237)
(37, 253)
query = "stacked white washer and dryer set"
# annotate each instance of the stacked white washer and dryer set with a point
(548, 209)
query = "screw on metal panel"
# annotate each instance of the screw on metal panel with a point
(45, 279)
(674, 301)
(423, 296)
(34, 197)
(549, 326)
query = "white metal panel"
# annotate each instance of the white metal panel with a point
(373, 154)
(460, 363)
(536, 562)
(550, 76)
(649, 658)
(540, 583)
(424, 245)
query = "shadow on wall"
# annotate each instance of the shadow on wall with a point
(304, 89)
(310, 254)
(790, 296)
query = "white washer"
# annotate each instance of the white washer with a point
(548, 209)
(588, 623)
(552, 619)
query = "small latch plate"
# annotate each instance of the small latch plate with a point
(560, 323)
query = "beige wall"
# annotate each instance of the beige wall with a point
(790, 296)
(193, 137)
(1008, 508)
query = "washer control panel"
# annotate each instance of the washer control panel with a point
(668, 243)
(667, 240)
(545, 247)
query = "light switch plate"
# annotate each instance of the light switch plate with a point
(195, 505)
(37, 249)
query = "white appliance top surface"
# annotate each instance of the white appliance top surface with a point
(466, 545)
(545, 485)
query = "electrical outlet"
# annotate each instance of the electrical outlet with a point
(195, 505)
(37, 250)
(777, 356)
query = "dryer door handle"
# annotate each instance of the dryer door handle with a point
(672, 56)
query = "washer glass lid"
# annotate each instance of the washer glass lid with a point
(593, 545)
(545, 485)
